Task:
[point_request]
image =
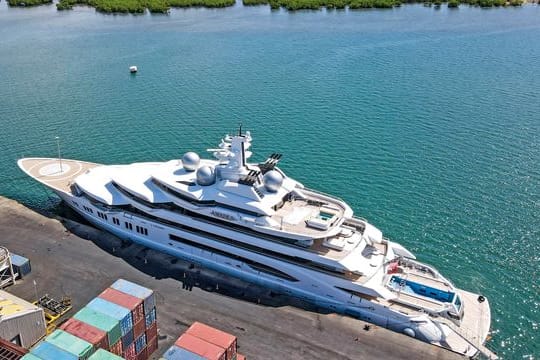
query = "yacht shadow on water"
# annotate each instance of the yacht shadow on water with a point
(189, 275)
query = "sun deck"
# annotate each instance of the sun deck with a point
(55, 173)
(295, 216)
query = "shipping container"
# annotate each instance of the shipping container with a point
(101, 321)
(10, 351)
(201, 347)
(129, 352)
(177, 353)
(152, 332)
(30, 356)
(151, 345)
(138, 291)
(21, 265)
(47, 351)
(101, 354)
(65, 341)
(117, 348)
(240, 357)
(214, 336)
(96, 337)
(140, 343)
(139, 328)
(117, 312)
(150, 318)
(127, 339)
(142, 355)
(134, 304)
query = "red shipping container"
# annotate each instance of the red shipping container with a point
(151, 332)
(240, 357)
(96, 337)
(135, 305)
(138, 328)
(151, 346)
(129, 352)
(201, 347)
(117, 348)
(214, 336)
(142, 355)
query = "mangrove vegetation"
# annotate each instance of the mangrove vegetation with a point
(139, 6)
(292, 5)
(163, 6)
(24, 3)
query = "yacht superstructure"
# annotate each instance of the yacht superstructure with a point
(252, 221)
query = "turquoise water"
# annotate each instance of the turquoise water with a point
(427, 122)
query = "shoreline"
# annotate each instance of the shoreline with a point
(139, 7)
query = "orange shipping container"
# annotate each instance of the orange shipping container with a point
(117, 348)
(201, 347)
(96, 337)
(214, 336)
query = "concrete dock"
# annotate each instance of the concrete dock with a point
(69, 258)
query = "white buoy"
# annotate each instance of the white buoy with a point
(133, 69)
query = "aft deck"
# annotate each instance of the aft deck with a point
(55, 173)
(294, 215)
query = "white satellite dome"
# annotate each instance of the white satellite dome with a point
(272, 180)
(206, 175)
(191, 161)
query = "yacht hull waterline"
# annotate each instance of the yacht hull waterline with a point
(252, 222)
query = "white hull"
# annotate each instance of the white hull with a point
(347, 267)
(312, 286)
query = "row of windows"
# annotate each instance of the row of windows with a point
(102, 215)
(297, 260)
(255, 265)
(141, 230)
(88, 209)
(116, 221)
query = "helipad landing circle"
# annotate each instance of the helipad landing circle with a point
(54, 169)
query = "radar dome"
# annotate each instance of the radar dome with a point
(190, 161)
(205, 176)
(272, 180)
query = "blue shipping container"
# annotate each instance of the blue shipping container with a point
(127, 339)
(138, 291)
(177, 353)
(117, 312)
(150, 318)
(21, 265)
(48, 351)
(140, 343)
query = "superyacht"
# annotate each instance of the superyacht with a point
(252, 221)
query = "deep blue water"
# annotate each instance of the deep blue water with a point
(427, 122)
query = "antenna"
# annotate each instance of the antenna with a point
(240, 130)
(59, 156)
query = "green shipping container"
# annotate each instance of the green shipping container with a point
(101, 354)
(70, 343)
(101, 321)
